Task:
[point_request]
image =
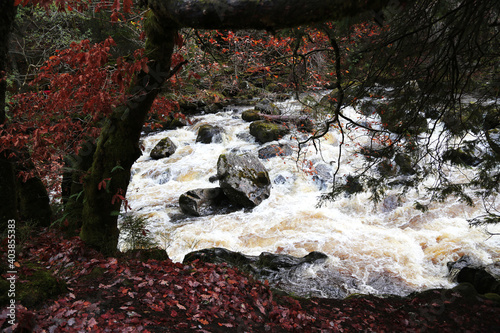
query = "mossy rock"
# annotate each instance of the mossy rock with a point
(163, 149)
(33, 289)
(251, 115)
(265, 131)
(209, 134)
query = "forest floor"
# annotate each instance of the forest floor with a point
(86, 291)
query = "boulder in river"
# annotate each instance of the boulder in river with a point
(251, 115)
(265, 131)
(163, 149)
(274, 150)
(243, 178)
(268, 107)
(205, 201)
(209, 134)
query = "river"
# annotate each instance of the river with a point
(377, 249)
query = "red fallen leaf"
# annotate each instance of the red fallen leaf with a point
(158, 308)
(173, 313)
(260, 307)
(92, 322)
(203, 321)
(182, 307)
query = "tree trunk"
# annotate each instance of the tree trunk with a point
(75, 168)
(259, 14)
(118, 145)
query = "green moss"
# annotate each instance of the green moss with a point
(33, 289)
(492, 297)
(265, 131)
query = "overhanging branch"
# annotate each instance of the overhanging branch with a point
(257, 14)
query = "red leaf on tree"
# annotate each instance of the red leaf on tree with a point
(127, 6)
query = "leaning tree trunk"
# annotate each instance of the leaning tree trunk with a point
(118, 147)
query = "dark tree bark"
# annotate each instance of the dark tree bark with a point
(257, 14)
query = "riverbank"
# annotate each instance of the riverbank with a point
(85, 291)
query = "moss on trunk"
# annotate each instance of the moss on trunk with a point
(118, 145)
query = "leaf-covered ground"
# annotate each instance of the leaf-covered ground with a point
(126, 294)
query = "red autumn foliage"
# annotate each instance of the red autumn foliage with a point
(74, 91)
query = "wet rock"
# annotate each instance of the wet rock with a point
(265, 131)
(279, 180)
(261, 266)
(269, 262)
(209, 134)
(323, 176)
(243, 178)
(251, 115)
(274, 150)
(164, 148)
(205, 201)
(390, 203)
(245, 136)
(213, 179)
(267, 107)
(164, 177)
(483, 278)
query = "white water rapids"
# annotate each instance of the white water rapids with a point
(372, 249)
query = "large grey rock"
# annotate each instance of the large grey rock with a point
(163, 149)
(243, 178)
(205, 201)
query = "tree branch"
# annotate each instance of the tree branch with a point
(257, 14)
